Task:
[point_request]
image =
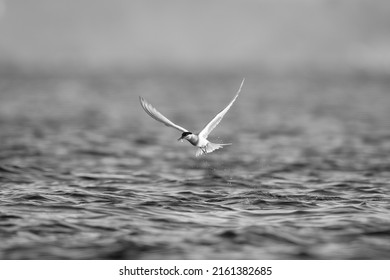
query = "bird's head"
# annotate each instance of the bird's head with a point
(186, 135)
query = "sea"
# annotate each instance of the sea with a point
(85, 173)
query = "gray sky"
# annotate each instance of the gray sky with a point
(202, 33)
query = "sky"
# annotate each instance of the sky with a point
(140, 34)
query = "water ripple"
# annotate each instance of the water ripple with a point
(307, 177)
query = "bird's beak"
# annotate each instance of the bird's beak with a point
(180, 139)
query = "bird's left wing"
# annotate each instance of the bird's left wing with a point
(151, 111)
(216, 120)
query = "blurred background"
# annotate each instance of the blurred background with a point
(86, 173)
(183, 34)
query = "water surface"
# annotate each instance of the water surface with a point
(86, 174)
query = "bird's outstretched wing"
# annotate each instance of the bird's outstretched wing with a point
(214, 122)
(151, 111)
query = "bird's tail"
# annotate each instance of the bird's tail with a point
(210, 147)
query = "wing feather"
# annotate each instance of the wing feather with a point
(217, 119)
(151, 111)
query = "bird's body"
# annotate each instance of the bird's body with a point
(200, 139)
(204, 145)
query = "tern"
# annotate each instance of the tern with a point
(199, 139)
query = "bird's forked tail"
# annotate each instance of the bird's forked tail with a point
(210, 147)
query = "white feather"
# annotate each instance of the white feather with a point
(151, 111)
(217, 119)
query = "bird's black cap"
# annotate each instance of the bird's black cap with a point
(184, 134)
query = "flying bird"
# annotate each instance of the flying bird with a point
(200, 139)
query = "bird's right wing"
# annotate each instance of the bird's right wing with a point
(151, 111)
(216, 120)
